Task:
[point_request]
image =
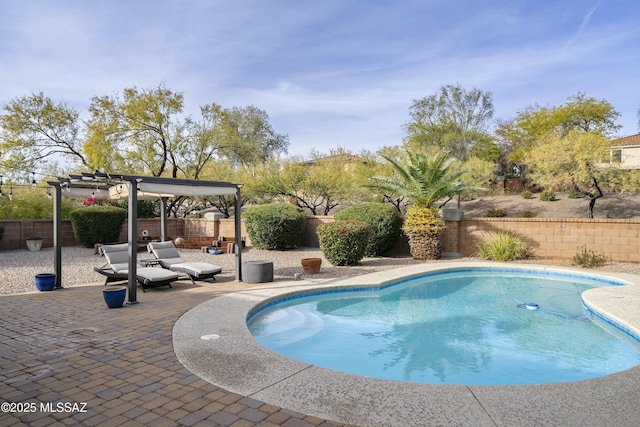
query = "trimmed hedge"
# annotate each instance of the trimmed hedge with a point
(275, 226)
(385, 221)
(97, 224)
(344, 242)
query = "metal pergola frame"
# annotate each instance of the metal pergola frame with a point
(118, 186)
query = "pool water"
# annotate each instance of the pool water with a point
(476, 327)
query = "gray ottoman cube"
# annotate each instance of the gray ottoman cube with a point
(257, 271)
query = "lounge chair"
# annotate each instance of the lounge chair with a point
(117, 266)
(170, 258)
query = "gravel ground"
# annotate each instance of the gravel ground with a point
(615, 206)
(18, 268)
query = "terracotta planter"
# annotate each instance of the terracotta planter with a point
(311, 265)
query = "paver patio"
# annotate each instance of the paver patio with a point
(116, 365)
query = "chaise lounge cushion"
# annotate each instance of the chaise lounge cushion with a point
(170, 258)
(117, 257)
(196, 268)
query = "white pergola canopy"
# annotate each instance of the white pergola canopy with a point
(157, 191)
(117, 187)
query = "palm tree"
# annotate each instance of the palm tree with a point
(422, 182)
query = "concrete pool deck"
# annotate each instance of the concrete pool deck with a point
(212, 341)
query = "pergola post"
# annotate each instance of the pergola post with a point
(57, 234)
(133, 241)
(237, 215)
(163, 219)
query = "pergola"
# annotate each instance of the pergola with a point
(132, 188)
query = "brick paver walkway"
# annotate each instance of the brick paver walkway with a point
(66, 359)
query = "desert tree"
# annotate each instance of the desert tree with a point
(134, 133)
(531, 126)
(36, 132)
(250, 137)
(455, 120)
(578, 160)
(318, 185)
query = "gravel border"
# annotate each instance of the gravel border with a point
(19, 267)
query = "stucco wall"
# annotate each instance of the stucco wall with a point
(630, 157)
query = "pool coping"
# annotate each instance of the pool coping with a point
(230, 358)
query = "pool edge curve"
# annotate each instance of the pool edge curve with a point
(239, 364)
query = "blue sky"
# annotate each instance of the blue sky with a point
(330, 73)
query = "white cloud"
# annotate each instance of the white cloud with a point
(328, 73)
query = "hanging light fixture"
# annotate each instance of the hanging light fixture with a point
(10, 192)
(1, 186)
(33, 180)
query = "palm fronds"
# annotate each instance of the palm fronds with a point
(423, 180)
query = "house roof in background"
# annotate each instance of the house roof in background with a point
(340, 157)
(626, 141)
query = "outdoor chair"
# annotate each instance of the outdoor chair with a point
(170, 258)
(117, 268)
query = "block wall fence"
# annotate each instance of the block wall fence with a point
(562, 238)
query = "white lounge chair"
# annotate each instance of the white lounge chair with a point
(170, 258)
(117, 268)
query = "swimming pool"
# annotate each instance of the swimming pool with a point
(471, 327)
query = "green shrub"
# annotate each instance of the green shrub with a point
(527, 194)
(547, 196)
(33, 204)
(574, 194)
(97, 224)
(385, 221)
(344, 242)
(275, 226)
(529, 214)
(146, 208)
(586, 258)
(496, 213)
(503, 247)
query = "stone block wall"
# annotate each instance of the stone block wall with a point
(175, 228)
(227, 228)
(16, 233)
(309, 236)
(561, 238)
